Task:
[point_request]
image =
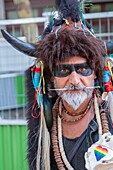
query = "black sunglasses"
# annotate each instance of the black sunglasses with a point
(63, 70)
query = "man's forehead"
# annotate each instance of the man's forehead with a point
(72, 64)
(73, 60)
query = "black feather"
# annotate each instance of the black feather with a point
(69, 8)
(47, 30)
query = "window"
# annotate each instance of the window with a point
(109, 7)
(95, 8)
(12, 14)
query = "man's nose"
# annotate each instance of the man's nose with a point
(74, 78)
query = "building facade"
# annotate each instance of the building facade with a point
(39, 7)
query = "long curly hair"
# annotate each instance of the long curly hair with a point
(71, 42)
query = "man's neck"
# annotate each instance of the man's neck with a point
(81, 108)
(73, 130)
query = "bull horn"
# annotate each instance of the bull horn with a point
(110, 47)
(26, 48)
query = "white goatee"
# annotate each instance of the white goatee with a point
(75, 99)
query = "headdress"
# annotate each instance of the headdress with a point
(68, 26)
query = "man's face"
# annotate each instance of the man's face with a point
(74, 75)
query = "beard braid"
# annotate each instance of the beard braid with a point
(75, 99)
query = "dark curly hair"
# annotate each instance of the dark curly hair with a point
(71, 42)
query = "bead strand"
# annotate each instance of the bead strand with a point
(80, 113)
(55, 142)
(104, 121)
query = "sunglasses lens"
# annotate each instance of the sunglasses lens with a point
(64, 70)
(84, 70)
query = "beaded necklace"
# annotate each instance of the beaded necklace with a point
(77, 118)
(58, 149)
(54, 137)
(56, 134)
(61, 148)
(80, 113)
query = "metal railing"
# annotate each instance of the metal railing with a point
(12, 68)
(102, 24)
(15, 25)
(13, 63)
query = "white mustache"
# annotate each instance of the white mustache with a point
(65, 89)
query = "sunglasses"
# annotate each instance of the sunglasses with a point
(64, 70)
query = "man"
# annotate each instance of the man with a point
(64, 92)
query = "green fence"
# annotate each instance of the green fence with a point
(13, 146)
